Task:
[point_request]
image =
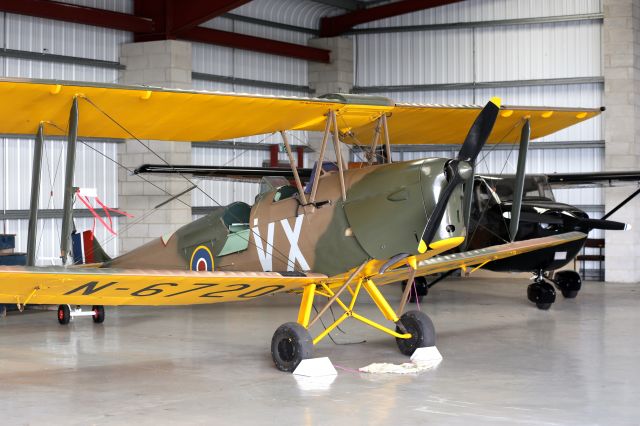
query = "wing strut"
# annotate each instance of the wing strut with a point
(387, 141)
(72, 140)
(374, 143)
(35, 195)
(294, 169)
(318, 171)
(381, 128)
(518, 185)
(336, 148)
(330, 129)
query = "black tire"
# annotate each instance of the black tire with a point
(98, 314)
(568, 282)
(542, 294)
(291, 343)
(414, 299)
(543, 306)
(569, 294)
(423, 333)
(421, 288)
(64, 314)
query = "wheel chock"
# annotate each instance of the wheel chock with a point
(315, 367)
(426, 356)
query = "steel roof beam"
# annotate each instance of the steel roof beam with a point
(335, 25)
(166, 16)
(187, 14)
(78, 14)
(342, 4)
(174, 16)
(257, 44)
(155, 20)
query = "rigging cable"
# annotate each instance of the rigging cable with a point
(283, 258)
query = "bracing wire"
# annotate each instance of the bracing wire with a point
(248, 239)
(338, 327)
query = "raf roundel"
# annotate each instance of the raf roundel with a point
(202, 259)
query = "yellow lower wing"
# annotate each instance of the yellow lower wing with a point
(445, 263)
(88, 286)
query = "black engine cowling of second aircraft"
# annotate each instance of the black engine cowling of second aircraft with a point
(543, 218)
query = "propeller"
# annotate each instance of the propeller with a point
(460, 169)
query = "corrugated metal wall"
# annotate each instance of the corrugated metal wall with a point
(463, 55)
(93, 168)
(499, 53)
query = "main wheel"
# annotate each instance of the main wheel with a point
(568, 282)
(542, 294)
(291, 343)
(64, 314)
(98, 314)
(423, 333)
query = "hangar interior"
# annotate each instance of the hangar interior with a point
(553, 367)
(527, 52)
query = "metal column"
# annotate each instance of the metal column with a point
(67, 217)
(35, 195)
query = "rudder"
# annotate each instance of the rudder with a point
(87, 249)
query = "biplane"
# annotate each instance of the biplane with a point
(347, 233)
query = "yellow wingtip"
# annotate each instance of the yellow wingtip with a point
(497, 101)
(422, 247)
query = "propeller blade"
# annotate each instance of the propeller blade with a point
(473, 144)
(610, 225)
(518, 186)
(480, 131)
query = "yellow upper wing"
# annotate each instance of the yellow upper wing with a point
(433, 124)
(92, 286)
(180, 115)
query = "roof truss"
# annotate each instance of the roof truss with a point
(163, 20)
(335, 25)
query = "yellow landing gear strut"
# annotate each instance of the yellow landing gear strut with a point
(292, 342)
(324, 290)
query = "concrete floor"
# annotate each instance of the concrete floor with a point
(505, 362)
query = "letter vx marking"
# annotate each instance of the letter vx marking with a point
(264, 246)
(265, 254)
(295, 254)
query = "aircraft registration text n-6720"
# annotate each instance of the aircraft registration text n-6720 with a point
(167, 289)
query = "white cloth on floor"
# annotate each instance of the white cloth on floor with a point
(423, 359)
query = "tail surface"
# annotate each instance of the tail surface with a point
(87, 249)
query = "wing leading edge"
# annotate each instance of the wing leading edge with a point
(470, 258)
